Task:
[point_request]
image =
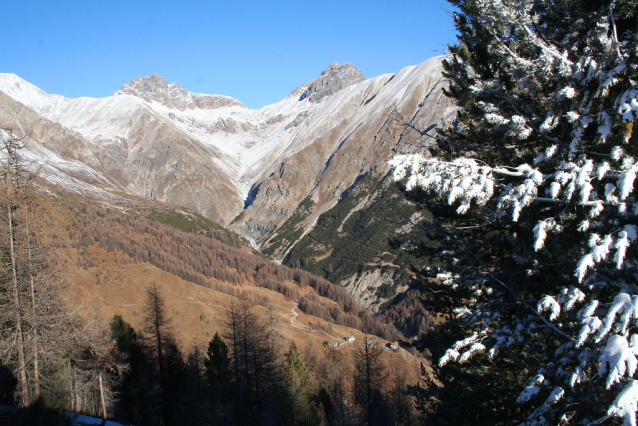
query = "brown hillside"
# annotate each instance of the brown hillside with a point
(111, 281)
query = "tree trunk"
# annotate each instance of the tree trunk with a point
(102, 398)
(16, 300)
(233, 320)
(197, 373)
(368, 382)
(160, 357)
(36, 369)
(78, 403)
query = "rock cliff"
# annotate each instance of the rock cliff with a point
(155, 89)
(332, 79)
(349, 135)
(249, 169)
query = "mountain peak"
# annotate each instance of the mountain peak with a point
(334, 78)
(335, 67)
(24, 92)
(155, 88)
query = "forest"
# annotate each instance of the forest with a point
(248, 375)
(67, 361)
(528, 199)
(200, 258)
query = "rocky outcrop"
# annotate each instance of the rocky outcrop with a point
(213, 155)
(333, 79)
(363, 287)
(350, 134)
(155, 89)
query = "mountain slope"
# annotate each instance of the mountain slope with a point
(211, 154)
(361, 132)
(117, 146)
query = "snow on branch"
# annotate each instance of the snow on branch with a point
(548, 303)
(567, 116)
(453, 353)
(626, 404)
(617, 358)
(466, 182)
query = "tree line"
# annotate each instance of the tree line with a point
(203, 260)
(249, 375)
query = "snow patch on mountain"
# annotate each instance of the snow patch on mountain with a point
(25, 92)
(225, 141)
(155, 89)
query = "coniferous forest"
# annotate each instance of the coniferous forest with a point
(528, 216)
(70, 361)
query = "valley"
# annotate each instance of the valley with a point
(447, 243)
(214, 206)
(267, 174)
(107, 282)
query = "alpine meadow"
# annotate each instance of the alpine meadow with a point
(454, 243)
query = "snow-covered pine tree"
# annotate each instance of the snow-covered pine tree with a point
(548, 95)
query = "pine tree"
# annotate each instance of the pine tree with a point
(218, 362)
(369, 379)
(163, 350)
(157, 328)
(218, 378)
(58, 357)
(547, 99)
(256, 365)
(302, 409)
(133, 387)
(15, 291)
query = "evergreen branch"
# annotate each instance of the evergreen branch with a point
(546, 48)
(517, 297)
(440, 139)
(614, 30)
(463, 244)
(551, 139)
(406, 123)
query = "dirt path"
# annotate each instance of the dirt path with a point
(292, 315)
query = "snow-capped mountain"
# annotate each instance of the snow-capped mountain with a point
(212, 154)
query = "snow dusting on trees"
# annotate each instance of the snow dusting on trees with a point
(548, 96)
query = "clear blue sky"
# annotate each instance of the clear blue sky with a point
(254, 51)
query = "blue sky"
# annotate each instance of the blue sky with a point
(254, 51)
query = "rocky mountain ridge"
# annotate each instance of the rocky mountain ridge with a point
(269, 174)
(331, 80)
(155, 89)
(211, 154)
(365, 126)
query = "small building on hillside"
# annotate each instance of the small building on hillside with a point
(393, 346)
(349, 339)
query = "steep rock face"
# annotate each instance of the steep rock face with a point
(151, 159)
(359, 242)
(64, 157)
(213, 155)
(155, 89)
(172, 167)
(364, 287)
(351, 134)
(332, 79)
